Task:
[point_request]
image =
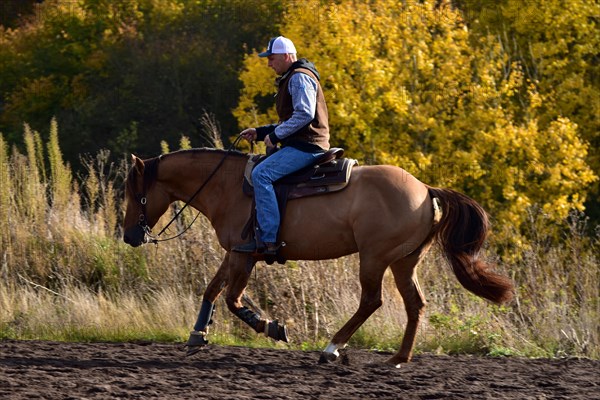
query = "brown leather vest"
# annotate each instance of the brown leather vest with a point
(317, 132)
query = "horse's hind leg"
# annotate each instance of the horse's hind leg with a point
(406, 281)
(240, 266)
(371, 277)
(197, 338)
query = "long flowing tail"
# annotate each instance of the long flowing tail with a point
(461, 232)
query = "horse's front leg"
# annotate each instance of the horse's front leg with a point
(197, 338)
(240, 267)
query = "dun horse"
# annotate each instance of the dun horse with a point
(385, 214)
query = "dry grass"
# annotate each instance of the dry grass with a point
(65, 274)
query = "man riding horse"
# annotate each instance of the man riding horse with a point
(395, 234)
(303, 131)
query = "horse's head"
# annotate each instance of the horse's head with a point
(146, 202)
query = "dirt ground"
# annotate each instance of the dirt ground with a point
(53, 370)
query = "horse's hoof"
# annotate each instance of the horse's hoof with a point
(195, 343)
(277, 332)
(392, 365)
(327, 358)
(397, 362)
(191, 350)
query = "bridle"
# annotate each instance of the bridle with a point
(143, 200)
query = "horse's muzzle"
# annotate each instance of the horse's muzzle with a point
(135, 236)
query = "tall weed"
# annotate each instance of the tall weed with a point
(66, 274)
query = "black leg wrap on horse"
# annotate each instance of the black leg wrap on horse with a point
(249, 317)
(205, 316)
(276, 331)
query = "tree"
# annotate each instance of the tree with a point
(557, 48)
(126, 75)
(405, 86)
(13, 11)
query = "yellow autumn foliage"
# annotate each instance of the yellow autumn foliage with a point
(405, 86)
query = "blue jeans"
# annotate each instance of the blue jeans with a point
(283, 162)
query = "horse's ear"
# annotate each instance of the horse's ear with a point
(138, 164)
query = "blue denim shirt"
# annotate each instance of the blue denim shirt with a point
(303, 90)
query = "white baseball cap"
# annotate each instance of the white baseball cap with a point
(279, 45)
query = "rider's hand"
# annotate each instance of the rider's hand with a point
(268, 142)
(249, 134)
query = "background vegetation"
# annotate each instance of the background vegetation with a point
(124, 75)
(496, 99)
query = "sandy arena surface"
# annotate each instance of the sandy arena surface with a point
(55, 370)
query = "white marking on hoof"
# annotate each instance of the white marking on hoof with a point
(333, 350)
(266, 330)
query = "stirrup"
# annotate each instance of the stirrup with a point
(249, 247)
(271, 249)
(252, 248)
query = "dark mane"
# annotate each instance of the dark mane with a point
(203, 150)
(151, 166)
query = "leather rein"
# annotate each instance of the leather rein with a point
(143, 220)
